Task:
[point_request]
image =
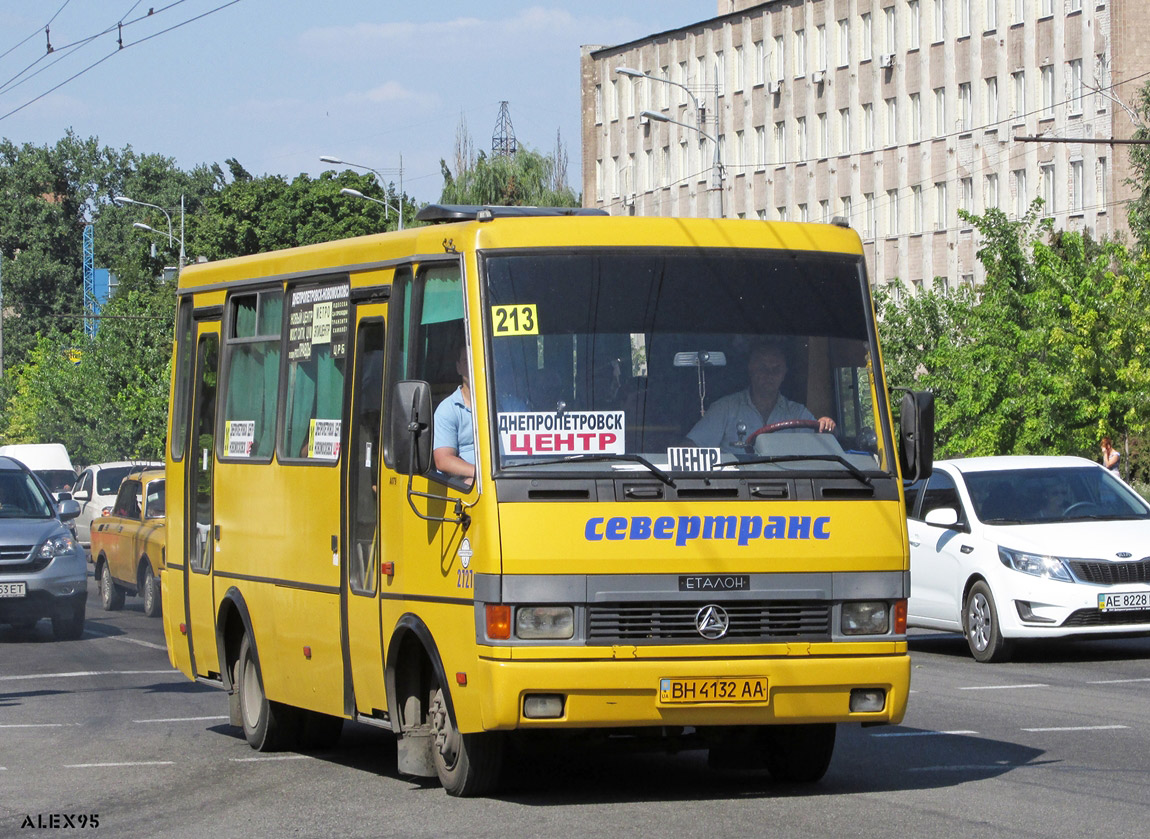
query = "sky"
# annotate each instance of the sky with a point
(275, 84)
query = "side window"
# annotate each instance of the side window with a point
(154, 503)
(85, 483)
(316, 348)
(185, 346)
(251, 381)
(128, 500)
(429, 346)
(912, 492)
(941, 492)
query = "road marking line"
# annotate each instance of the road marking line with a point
(38, 724)
(968, 767)
(125, 639)
(184, 719)
(920, 733)
(260, 759)
(1080, 728)
(83, 673)
(1003, 687)
(1118, 681)
(118, 765)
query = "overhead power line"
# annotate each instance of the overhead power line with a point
(121, 45)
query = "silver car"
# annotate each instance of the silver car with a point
(43, 572)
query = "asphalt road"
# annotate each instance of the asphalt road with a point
(1056, 743)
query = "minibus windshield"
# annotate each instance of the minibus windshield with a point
(693, 360)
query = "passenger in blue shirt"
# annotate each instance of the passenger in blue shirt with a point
(454, 431)
(760, 404)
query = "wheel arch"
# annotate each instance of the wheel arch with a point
(971, 581)
(411, 646)
(233, 622)
(140, 563)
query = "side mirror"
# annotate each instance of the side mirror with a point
(916, 435)
(942, 517)
(68, 509)
(82, 496)
(410, 428)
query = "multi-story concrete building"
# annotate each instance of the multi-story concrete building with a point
(893, 113)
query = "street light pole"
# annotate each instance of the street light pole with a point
(716, 188)
(355, 193)
(379, 177)
(120, 200)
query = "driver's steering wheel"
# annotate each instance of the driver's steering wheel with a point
(770, 427)
(1078, 505)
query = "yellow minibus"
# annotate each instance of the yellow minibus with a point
(525, 472)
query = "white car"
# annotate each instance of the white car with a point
(1009, 548)
(95, 491)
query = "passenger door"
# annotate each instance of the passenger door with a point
(937, 567)
(199, 534)
(360, 583)
(122, 526)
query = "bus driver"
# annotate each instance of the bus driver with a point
(759, 405)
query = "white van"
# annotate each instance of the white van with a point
(49, 461)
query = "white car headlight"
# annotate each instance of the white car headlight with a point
(1037, 565)
(57, 546)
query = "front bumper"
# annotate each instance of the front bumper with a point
(56, 589)
(625, 693)
(1036, 608)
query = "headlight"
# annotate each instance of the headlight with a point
(551, 622)
(57, 546)
(1047, 567)
(866, 617)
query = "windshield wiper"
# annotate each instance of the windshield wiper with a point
(790, 458)
(590, 458)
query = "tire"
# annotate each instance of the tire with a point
(268, 726)
(798, 754)
(149, 590)
(467, 764)
(111, 595)
(70, 626)
(981, 627)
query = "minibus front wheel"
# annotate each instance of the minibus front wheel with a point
(268, 726)
(467, 764)
(798, 754)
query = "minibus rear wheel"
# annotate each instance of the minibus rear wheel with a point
(467, 764)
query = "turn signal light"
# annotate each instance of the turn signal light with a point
(900, 617)
(498, 621)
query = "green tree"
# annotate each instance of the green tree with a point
(1138, 212)
(526, 178)
(1047, 355)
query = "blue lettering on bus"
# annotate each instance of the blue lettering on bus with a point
(743, 529)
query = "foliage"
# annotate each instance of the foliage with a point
(526, 178)
(114, 403)
(1138, 212)
(1045, 358)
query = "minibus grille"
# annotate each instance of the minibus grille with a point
(1111, 573)
(674, 622)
